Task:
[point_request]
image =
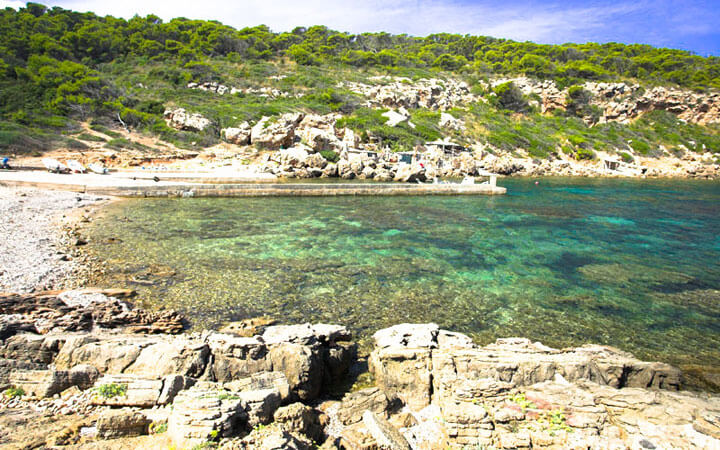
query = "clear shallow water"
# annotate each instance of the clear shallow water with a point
(634, 264)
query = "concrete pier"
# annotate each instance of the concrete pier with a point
(126, 185)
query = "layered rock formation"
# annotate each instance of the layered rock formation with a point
(621, 102)
(182, 120)
(396, 92)
(261, 388)
(519, 394)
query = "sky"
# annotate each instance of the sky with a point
(685, 24)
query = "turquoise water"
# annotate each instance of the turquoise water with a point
(634, 264)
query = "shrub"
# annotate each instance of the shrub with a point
(104, 130)
(91, 138)
(577, 141)
(584, 154)
(640, 146)
(578, 101)
(510, 97)
(330, 155)
(111, 390)
(158, 427)
(14, 392)
(627, 157)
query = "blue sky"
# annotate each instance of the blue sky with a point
(690, 25)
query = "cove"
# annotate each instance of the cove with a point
(629, 263)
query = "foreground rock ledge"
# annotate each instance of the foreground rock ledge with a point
(90, 379)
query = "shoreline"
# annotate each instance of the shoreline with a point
(515, 385)
(42, 248)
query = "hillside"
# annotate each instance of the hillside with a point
(77, 82)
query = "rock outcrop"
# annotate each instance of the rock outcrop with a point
(434, 388)
(519, 394)
(239, 135)
(621, 102)
(182, 120)
(275, 132)
(396, 92)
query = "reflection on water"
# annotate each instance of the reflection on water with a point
(634, 264)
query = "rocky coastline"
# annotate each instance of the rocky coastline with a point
(96, 372)
(83, 368)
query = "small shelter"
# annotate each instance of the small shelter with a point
(448, 147)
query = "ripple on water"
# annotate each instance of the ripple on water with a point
(557, 262)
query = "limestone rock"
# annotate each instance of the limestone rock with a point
(114, 424)
(448, 121)
(409, 173)
(354, 404)
(270, 438)
(293, 157)
(404, 373)
(386, 436)
(305, 334)
(182, 120)
(260, 405)
(299, 418)
(262, 381)
(139, 392)
(202, 411)
(277, 132)
(236, 357)
(408, 335)
(151, 356)
(316, 160)
(239, 135)
(394, 118)
(171, 385)
(357, 436)
(248, 327)
(46, 383)
(302, 367)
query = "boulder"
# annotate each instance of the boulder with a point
(448, 121)
(276, 132)
(260, 405)
(404, 373)
(293, 157)
(306, 334)
(32, 348)
(354, 404)
(319, 139)
(236, 357)
(299, 418)
(248, 327)
(205, 411)
(152, 357)
(182, 120)
(302, 366)
(8, 366)
(409, 173)
(136, 392)
(239, 135)
(408, 335)
(316, 160)
(114, 424)
(262, 381)
(269, 438)
(386, 436)
(330, 171)
(357, 437)
(171, 385)
(46, 383)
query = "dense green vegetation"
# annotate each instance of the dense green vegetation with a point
(59, 67)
